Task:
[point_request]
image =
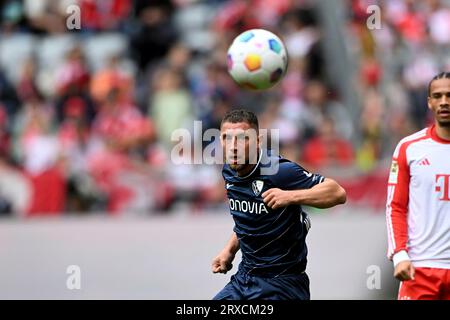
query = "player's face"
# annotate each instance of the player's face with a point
(239, 142)
(439, 101)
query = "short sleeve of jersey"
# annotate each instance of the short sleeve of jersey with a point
(291, 176)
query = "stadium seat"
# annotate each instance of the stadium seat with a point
(100, 47)
(51, 50)
(14, 50)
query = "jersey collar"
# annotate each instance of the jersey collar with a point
(432, 133)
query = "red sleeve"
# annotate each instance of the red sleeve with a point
(397, 202)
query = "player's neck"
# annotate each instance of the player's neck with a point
(246, 170)
(443, 132)
(250, 166)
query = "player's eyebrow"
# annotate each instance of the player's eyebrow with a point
(440, 93)
(239, 135)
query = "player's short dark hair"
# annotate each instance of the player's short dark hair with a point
(442, 75)
(241, 115)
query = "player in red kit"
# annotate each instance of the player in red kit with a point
(418, 203)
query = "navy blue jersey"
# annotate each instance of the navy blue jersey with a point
(272, 242)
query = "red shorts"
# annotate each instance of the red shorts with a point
(428, 284)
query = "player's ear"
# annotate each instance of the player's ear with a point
(429, 102)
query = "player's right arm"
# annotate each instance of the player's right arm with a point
(222, 263)
(397, 214)
(293, 185)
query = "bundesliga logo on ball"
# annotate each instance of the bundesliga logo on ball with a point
(257, 59)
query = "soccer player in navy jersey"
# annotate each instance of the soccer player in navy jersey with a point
(266, 205)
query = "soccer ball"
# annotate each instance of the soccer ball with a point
(257, 59)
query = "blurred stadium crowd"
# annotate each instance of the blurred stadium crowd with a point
(86, 116)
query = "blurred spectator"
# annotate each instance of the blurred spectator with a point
(273, 117)
(416, 76)
(72, 86)
(199, 184)
(411, 23)
(171, 106)
(293, 107)
(439, 22)
(371, 72)
(37, 149)
(328, 149)
(32, 125)
(112, 76)
(124, 134)
(11, 16)
(371, 127)
(15, 190)
(4, 133)
(121, 126)
(213, 87)
(300, 32)
(73, 75)
(178, 59)
(103, 15)
(26, 87)
(317, 98)
(47, 16)
(81, 102)
(213, 119)
(8, 95)
(239, 16)
(75, 141)
(154, 32)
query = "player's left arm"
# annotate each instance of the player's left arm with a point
(326, 194)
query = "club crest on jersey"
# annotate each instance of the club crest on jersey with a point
(257, 187)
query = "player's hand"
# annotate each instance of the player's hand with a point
(223, 262)
(404, 271)
(276, 198)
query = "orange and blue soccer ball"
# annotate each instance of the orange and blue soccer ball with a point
(257, 59)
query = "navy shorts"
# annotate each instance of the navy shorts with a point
(243, 286)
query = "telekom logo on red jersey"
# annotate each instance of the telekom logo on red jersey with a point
(443, 186)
